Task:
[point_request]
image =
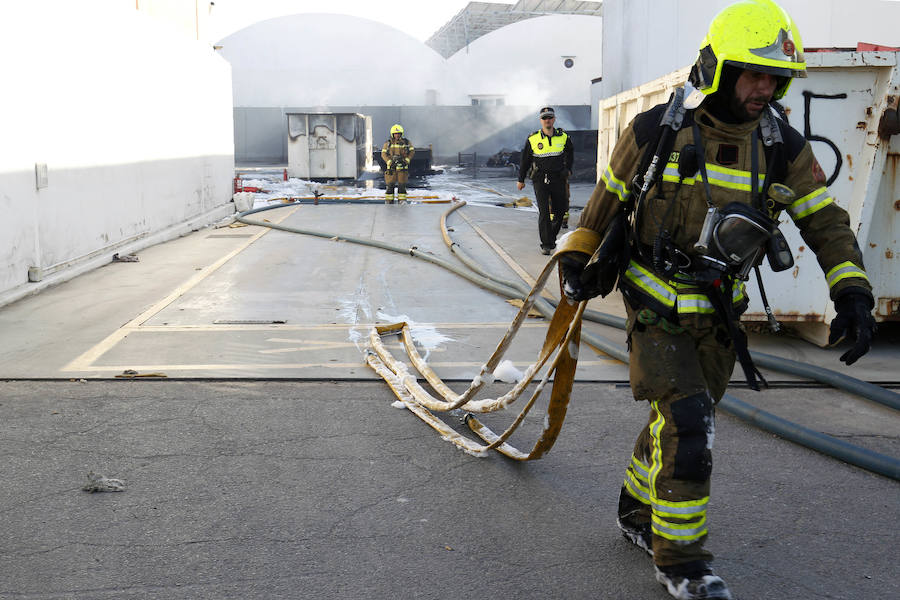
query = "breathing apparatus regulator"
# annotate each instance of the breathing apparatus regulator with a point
(733, 238)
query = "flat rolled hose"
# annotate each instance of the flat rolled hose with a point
(852, 454)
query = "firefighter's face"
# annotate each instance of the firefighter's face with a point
(396, 135)
(752, 92)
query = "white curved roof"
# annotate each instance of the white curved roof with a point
(524, 61)
(325, 59)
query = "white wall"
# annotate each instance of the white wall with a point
(329, 60)
(645, 39)
(132, 119)
(190, 17)
(524, 62)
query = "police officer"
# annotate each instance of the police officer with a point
(396, 153)
(682, 298)
(550, 151)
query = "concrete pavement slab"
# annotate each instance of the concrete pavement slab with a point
(301, 490)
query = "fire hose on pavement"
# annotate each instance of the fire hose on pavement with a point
(564, 331)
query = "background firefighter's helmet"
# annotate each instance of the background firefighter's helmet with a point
(750, 34)
(396, 129)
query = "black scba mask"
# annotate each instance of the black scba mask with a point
(740, 231)
(734, 237)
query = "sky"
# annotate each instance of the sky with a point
(418, 18)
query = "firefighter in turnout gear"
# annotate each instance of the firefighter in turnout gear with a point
(396, 153)
(549, 151)
(695, 222)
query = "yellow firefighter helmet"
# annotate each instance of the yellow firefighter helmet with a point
(751, 34)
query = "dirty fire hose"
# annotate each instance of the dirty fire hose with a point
(861, 457)
(563, 332)
(562, 339)
(776, 363)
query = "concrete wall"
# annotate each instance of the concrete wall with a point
(133, 122)
(646, 39)
(260, 133)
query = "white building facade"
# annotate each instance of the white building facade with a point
(117, 135)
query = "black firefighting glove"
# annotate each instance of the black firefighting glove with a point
(572, 266)
(399, 162)
(854, 321)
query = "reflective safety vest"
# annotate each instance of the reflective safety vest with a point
(543, 146)
(548, 153)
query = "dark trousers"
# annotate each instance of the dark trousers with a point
(682, 372)
(552, 194)
(395, 178)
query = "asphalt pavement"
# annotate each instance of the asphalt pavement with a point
(221, 379)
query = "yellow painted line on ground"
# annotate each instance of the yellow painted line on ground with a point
(87, 358)
(519, 269)
(308, 345)
(324, 327)
(509, 260)
(283, 366)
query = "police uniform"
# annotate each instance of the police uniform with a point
(396, 155)
(552, 158)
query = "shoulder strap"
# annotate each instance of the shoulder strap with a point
(674, 117)
(782, 143)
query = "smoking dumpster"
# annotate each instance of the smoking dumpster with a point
(325, 146)
(847, 109)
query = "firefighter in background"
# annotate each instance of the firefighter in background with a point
(396, 153)
(730, 162)
(550, 151)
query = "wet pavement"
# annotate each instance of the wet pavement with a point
(265, 459)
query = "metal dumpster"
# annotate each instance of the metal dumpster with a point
(847, 108)
(324, 146)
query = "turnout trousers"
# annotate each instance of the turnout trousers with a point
(395, 178)
(682, 371)
(551, 191)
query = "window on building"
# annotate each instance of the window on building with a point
(488, 100)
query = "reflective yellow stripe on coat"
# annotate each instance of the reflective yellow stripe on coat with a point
(668, 295)
(731, 179)
(843, 271)
(615, 185)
